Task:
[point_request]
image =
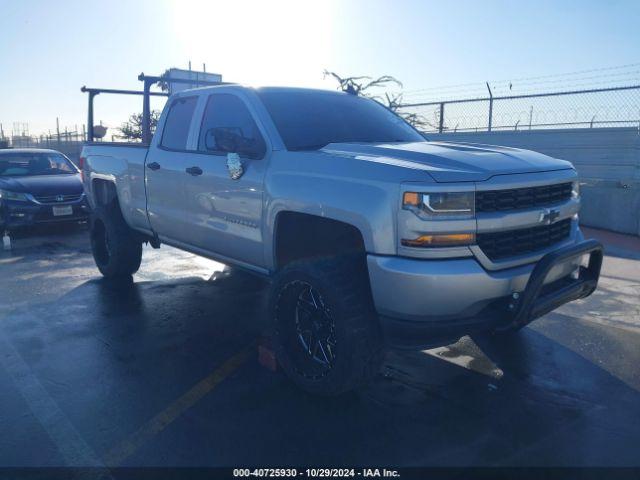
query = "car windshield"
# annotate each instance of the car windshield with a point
(23, 164)
(309, 120)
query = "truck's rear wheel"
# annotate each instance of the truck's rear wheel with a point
(326, 333)
(116, 249)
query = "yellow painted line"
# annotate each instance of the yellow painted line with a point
(158, 423)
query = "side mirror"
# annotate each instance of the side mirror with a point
(222, 139)
(231, 140)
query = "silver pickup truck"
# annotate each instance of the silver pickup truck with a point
(372, 236)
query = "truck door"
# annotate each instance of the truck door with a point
(224, 185)
(165, 172)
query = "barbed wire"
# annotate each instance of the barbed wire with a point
(520, 79)
(561, 81)
(632, 77)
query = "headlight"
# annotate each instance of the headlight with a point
(9, 195)
(575, 189)
(441, 204)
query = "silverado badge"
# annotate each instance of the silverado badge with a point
(234, 165)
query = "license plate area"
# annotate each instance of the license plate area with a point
(62, 210)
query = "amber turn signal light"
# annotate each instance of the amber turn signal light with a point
(448, 240)
(410, 199)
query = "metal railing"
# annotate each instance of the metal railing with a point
(148, 81)
(594, 108)
(46, 141)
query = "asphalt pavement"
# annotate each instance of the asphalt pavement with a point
(163, 371)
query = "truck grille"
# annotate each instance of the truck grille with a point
(58, 198)
(522, 198)
(511, 243)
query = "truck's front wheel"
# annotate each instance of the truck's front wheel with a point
(327, 336)
(116, 249)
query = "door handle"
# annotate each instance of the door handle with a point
(153, 165)
(193, 171)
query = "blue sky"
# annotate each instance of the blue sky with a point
(48, 50)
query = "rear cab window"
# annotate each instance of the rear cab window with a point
(176, 127)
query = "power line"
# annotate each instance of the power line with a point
(505, 90)
(633, 77)
(528, 80)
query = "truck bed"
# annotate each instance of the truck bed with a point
(121, 164)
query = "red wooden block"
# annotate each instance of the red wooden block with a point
(267, 356)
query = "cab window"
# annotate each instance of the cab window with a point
(228, 127)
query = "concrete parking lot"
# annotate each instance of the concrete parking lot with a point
(163, 371)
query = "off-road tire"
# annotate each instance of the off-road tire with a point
(343, 283)
(117, 250)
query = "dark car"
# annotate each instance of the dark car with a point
(39, 186)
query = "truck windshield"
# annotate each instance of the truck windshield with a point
(311, 119)
(21, 164)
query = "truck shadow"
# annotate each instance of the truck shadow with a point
(540, 404)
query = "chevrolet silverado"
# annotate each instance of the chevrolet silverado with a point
(372, 237)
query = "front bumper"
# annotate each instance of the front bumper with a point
(432, 302)
(15, 214)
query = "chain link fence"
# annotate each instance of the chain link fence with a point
(45, 141)
(594, 108)
(67, 142)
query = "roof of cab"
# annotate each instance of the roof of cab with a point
(237, 87)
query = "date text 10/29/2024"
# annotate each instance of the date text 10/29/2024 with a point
(316, 472)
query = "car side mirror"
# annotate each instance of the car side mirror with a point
(221, 139)
(231, 140)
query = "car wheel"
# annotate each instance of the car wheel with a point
(326, 332)
(116, 248)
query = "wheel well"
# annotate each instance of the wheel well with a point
(300, 235)
(104, 192)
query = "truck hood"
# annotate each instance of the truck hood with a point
(451, 162)
(43, 184)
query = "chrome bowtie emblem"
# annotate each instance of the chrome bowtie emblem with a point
(234, 165)
(60, 198)
(549, 215)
